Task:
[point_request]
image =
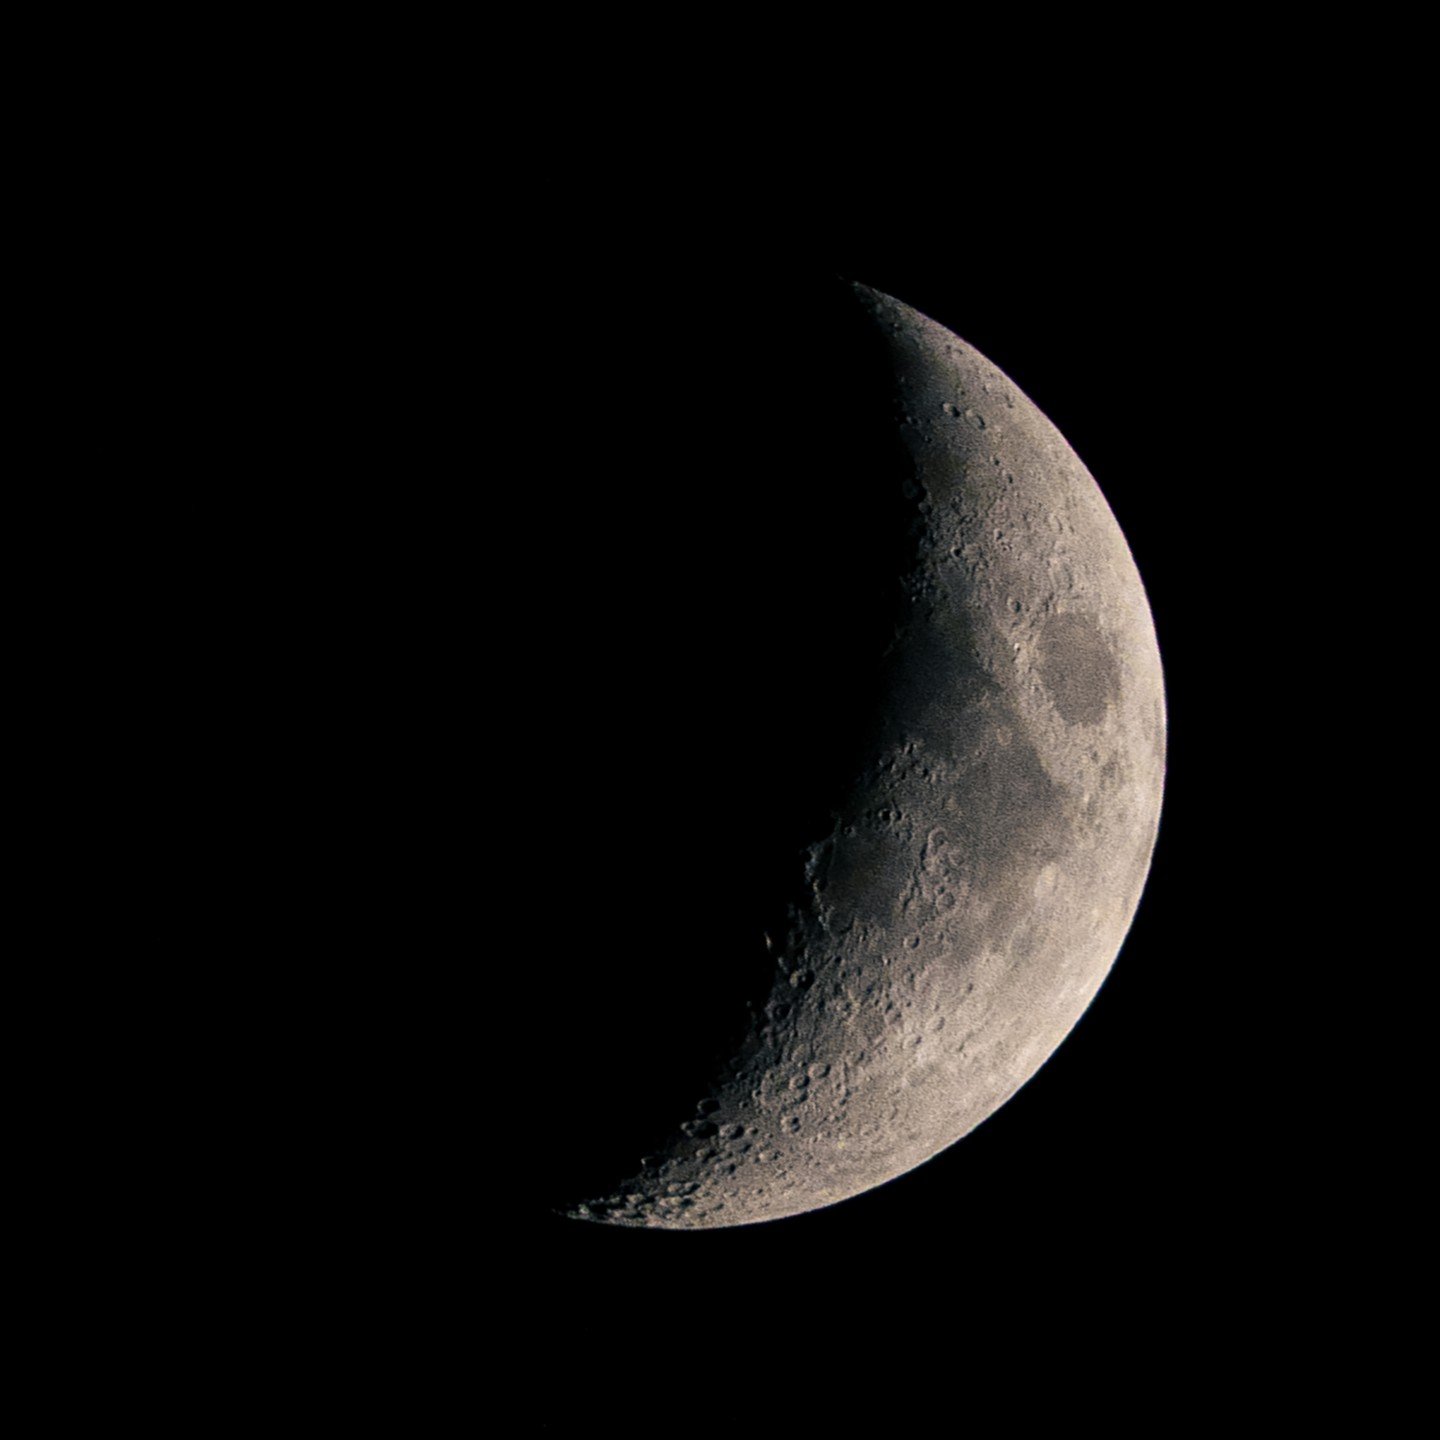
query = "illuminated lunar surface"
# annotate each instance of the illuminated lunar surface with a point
(984, 862)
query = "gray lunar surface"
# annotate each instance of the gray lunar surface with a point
(981, 877)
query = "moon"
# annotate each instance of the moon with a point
(983, 858)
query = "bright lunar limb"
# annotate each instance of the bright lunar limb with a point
(987, 858)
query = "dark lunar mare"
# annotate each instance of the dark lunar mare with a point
(729, 516)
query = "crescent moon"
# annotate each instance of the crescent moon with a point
(984, 866)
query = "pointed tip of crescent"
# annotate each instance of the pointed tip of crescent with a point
(885, 310)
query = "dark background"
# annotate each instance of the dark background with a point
(518, 772)
(453, 414)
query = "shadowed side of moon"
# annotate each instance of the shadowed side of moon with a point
(733, 582)
(932, 770)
